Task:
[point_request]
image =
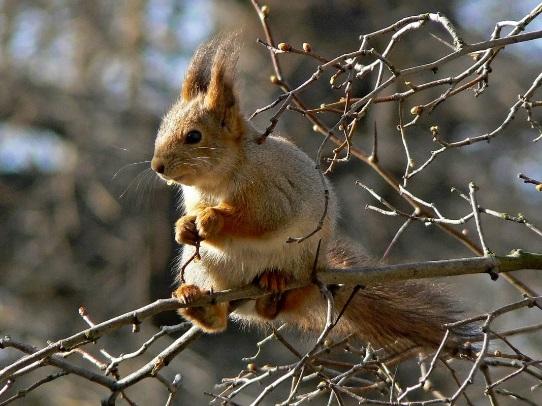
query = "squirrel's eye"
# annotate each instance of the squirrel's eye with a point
(193, 137)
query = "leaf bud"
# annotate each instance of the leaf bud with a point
(416, 110)
(284, 46)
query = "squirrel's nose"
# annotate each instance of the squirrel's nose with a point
(157, 165)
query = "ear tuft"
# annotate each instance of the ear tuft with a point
(197, 75)
(211, 70)
(220, 94)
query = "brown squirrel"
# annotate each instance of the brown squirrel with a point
(243, 199)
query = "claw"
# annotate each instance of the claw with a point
(273, 280)
(188, 293)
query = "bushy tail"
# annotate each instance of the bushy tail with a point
(396, 315)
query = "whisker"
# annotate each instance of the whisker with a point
(176, 164)
(151, 187)
(127, 166)
(141, 179)
(138, 177)
(144, 188)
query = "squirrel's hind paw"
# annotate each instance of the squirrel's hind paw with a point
(273, 281)
(210, 318)
(268, 307)
(188, 293)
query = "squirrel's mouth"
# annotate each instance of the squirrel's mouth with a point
(180, 178)
(171, 180)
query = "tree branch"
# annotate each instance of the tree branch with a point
(357, 276)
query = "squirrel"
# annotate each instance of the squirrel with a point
(243, 199)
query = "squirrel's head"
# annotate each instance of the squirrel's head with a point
(199, 140)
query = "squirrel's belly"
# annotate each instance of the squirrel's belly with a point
(239, 262)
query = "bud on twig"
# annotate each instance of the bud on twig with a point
(416, 110)
(284, 46)
(410, 85)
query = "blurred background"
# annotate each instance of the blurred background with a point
(83, 85)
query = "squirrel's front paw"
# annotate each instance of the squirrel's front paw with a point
(186, 231)
(209, 223)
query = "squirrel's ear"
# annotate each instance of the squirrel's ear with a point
(211, 74)
(220, 95)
